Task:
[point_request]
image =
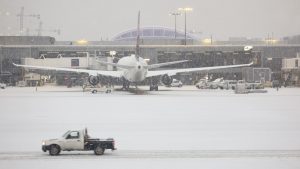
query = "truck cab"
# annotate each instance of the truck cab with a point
(77, 140)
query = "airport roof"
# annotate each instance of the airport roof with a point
(152, 32)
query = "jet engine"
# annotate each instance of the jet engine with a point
(166, 80)
(93, 80)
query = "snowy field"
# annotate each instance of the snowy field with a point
(172, 128)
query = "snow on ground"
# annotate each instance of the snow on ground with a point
(173, 119)
(189, 163)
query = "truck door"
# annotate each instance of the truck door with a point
(73, 141)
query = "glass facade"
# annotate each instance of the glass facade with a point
(152, 33)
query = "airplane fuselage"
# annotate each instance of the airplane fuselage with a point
(138, 71)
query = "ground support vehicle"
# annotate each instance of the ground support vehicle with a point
(77, 140)
(98, 88)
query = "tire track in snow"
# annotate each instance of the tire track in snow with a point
(142, 154)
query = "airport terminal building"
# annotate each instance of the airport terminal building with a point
(157, 44)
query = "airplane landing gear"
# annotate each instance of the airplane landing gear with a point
(125, 85)
(154, 84)
(154, 87)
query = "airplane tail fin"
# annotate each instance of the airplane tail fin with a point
(137, 50)
(114, 64)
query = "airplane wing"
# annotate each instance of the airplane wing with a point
(116, 74)
(153, 66)
(173, 72)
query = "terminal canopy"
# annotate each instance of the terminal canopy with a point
(152, 33)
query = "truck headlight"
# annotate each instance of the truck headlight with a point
(43, 143)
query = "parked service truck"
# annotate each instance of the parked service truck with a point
(77, 140)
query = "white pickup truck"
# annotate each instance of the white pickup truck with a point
(77, 140)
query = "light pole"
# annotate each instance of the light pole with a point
(175, 14)
(22, 15)
(185, 10)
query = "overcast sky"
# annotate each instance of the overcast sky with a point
(93, 19)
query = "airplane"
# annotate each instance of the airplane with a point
(134, 69)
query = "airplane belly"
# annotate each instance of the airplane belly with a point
(139, 77)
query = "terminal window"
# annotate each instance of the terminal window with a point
(75, 62)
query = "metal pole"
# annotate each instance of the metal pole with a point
(40, 29)
(175, 14)
(175, 27)
(185, 10)
(21, 20)
(184, 27)
(272, 38)
(1, 55)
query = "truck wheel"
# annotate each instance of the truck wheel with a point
(54, 150)
(99, 150)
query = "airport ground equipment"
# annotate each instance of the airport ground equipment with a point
(228, 84)
(97, 88)
(202, 84)
(77, 140)
(175, 83)
(205, 84)
(243, 88)
(2, 85)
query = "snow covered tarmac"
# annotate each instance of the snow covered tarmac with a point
(153, 129)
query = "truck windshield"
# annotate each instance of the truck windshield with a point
(64, 135)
